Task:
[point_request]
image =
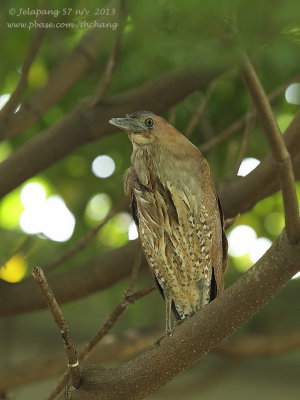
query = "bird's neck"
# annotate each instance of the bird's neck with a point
(169, 165)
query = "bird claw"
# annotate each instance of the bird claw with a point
(157, 341)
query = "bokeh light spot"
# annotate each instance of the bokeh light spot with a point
(103, 166)
(274, 223)
(59, 222)
(33, 194)
(292, 93)
(4, 99)
(132, 231)
(240, 240)
(247, 165)
(10, 210)
(296, 276)
(115, 232)
(98, 206)
(51, 218)
(14, 269)
(258, 248)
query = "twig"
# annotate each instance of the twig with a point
(278, 148)
(240, 122)
(199, 110)
(82, 243)
(225, 134)
(249, 122)
(104, 329)
(15, 97)
(73, 365)
(110, 67)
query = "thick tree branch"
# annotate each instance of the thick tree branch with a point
(121, 349)
(96, 274)
(104, 329)
(278, 148)
(198, 334)
(73, 365)
(85, 124)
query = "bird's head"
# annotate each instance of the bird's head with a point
(145, 127)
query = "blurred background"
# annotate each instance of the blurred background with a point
(45, 215)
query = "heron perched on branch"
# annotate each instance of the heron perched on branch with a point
(177, 211)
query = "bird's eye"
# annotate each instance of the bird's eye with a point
(149, 122)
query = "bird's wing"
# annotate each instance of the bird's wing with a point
(217, 281)
(224, 238)
(130, 181)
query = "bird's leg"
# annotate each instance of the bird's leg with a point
(169, 329)
(168, 300)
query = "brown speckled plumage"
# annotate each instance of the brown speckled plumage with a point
(177, 211)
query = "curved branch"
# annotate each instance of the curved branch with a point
(85, 124)
(259, 183)
(96, 274)
(198, 334)
(277, 145)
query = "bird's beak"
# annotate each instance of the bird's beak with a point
(128, 124)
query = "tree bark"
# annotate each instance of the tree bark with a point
(198, 334)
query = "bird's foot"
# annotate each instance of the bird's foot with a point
(157, 341)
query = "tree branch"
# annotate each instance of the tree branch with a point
(240, 122)
(107, 75)
(278, 149)
(260, 183)
(105, 328)
(16, 96)
(96, 274)
(198, 334)
(199, 110)
(249, 122)
(85, 124)
(73, 365)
